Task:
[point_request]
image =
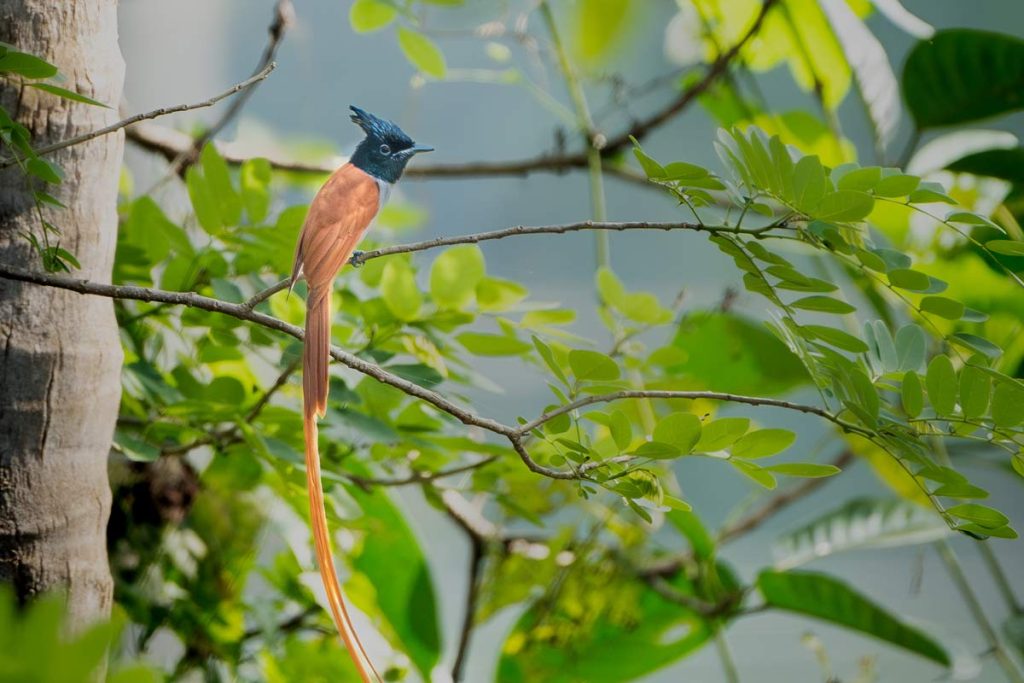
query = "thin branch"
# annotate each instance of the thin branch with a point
(717, 69)
(479, 532)
(284, 15)
(171, 143)
(242, 312)
(163, 111)
(690, 395)
(515, 231)
(418, 477)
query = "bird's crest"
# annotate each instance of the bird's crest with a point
(377, 127)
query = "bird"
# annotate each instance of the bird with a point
(338, 217)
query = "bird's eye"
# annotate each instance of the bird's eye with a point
(385, 150)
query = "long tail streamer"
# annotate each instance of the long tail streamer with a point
(315, 356)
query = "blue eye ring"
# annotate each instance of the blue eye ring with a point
(385, 149)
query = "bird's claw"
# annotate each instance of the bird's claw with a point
(356, 259)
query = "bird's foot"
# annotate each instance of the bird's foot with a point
(356, 259)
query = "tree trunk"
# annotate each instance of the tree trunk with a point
(60, 355)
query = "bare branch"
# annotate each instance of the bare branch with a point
(284, 15)
(171, 143)
(418, 477)
(163, 111)
(690, 395)
(717, 69)
(518, 230)
(242, 312)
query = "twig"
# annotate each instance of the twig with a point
(714, 72)
(479, 532)
(418, 477)
(170, 143)
(241, 312)
(163, 111)
(690, 395)
(284, 14)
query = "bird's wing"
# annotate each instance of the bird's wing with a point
(336, 222)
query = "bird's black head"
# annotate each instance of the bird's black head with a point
(385, 150)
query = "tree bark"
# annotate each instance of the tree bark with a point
(60, 354)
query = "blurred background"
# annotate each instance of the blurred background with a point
(503, 99)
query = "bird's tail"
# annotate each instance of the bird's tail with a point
(315, 356)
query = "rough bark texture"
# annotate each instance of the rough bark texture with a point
(60, 356)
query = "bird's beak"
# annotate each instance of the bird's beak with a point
(416, 149)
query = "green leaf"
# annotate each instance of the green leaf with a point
(979, 514)
(657, 450)
(399, 290)
(988, 70)
(809, 183)
(26, 65)
(823, 597)
(844, 206)
(837, 338)
(599, 25)
(906, 278)
(682, 430)
(493, 294)
(762, 443)
(942, 385)
(721, 433)
(1017, 462)
(862, 179)
(66, 94)
(255, 181)
(371, 15)
(950, 309)
(823, 304)
(218, 178)
(1007, 405)
(45, 170)
(421, 52)
(590, 365)
(651, 167)
(203, 202)
(910, 347)
(859, 524)
(804, 469)
(545, 353)
(483, 344)
(455, 275)
(976, 343)
(913, 396)
(975, 387)
(1006, 247)
(758, 474)
(896, 185)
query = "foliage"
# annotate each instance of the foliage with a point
(38, 171)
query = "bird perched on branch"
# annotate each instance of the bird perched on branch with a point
(338, 218)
